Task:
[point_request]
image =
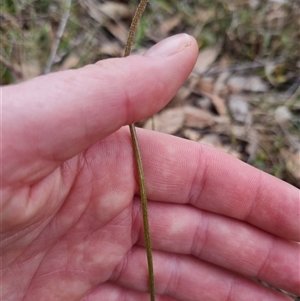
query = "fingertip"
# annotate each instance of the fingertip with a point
(171, 45)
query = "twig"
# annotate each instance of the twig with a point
(233, 68)
(59, 33)
(134, 25)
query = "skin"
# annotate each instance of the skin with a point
(70, 209)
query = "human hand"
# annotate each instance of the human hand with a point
(71, 217)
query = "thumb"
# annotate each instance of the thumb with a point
(54, 117)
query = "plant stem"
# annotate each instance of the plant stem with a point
(144, 209)
(58, 36)
(134, 25)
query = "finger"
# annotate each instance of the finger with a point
(180, 171)
(223, 241)
(54, 117)
(186, 278)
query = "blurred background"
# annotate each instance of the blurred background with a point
(243, 95)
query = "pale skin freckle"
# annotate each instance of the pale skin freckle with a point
(85, 258)
(98, 258)
(245, 243)
(110, 205)
(178, 226)
(174, 229)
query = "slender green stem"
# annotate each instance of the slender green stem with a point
(134, 25)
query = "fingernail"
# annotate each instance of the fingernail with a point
(170, 46)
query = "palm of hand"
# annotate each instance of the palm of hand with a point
(84, 229)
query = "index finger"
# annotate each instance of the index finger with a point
(182, 171)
